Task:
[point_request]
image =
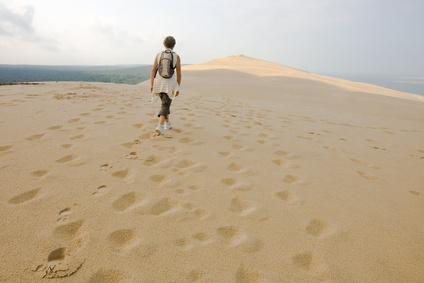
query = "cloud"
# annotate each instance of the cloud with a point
(18, 26)
(115, 36)
(13, 23)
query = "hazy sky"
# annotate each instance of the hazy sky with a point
(337, 36)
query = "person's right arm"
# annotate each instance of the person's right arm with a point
(178, 67)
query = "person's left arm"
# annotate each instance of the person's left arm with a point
(153, 74)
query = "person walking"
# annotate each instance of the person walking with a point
(165, 81)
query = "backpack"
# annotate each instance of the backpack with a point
(166, 64)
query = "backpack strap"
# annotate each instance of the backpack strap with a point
(159, 57)
(172, 60)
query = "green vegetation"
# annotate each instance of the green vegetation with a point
(125, 74)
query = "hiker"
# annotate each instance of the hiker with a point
(164, 82)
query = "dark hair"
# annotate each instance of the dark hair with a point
(169, 42)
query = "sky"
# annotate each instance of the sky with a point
(327, 36)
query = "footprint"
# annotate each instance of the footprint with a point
(65, 211)
(68, 231)
(194, 187)
(194, 275)
(224, 153)
(228, 181)
(138, 126)
(5, 147)
(39, 173)
(99, 189)
(366, 176)
(239, 206)
(243, 187)
(105, 166)
(128, 144)
(73, 120)
(66, 145)
(24, 197)
(124, 202)
(278, 162)
(286, 196)
(57, 254)
(182, 243)
(294, 157)
(151, 160)
(76, 137)
(35, 137)
(234, 167)
(303, 260)
(64, 215)
(132, 155)
(184, 163)
(157, 178)
(378, 148)
(66, 158)
(161, 206)
(58, 266)
(201, 236)
(107, 276)
(199, 168)
(122, 237)
(228, 232)
(237, 146)
(188, 206)
(281, 153)
(316, 227)
(120, 174)
(55, 127)
(289, 179)
(244, 275)
(251, 245)
(185, 140)
(415, 193)
(199, 212)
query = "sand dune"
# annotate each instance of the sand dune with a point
(270, 175)
(269, 69)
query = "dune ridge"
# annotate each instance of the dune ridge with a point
(264, 68)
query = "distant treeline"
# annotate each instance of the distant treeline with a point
(126, 74)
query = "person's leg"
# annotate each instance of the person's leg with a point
(162, 119)
(164, 112)
(167, 123)
(169, 108)
(164, 108)
(166, 104)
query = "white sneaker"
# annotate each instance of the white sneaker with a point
(160, 129)
(168, 126)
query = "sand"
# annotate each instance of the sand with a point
(270, 174)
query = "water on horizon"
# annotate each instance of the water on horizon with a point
(411, 84)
